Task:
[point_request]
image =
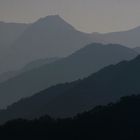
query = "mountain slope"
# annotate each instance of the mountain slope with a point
(9, 33)
(115, 121)
(48, 37)
(51, 36)
(128, 38)
(64, 100)
(137, 49)
(33, 65)
(81, 64)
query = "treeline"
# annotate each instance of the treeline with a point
(115, 121)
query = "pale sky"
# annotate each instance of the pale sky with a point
(85, 15)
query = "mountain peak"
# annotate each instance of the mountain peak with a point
(54, 21)
(51, 17)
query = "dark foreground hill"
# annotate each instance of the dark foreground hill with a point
(115, 121)
(64, 100)
(80, 64)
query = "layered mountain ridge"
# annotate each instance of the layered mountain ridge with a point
(65, 100)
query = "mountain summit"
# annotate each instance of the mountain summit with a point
(54, 22)
(48, 37)
(64, 100)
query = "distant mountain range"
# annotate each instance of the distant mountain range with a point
(137, 49)
(9, 33)
(49, 67)
(64, 100)
(80, 64)
(128, 38)
(33, 65)
(48, 37)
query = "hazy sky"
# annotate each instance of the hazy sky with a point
(86, 15)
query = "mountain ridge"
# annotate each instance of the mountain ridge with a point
(80, 64)
(65, 100)
(129, 38)
(48, 37)
(119, 120)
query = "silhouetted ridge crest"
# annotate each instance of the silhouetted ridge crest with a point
(54, 21)
(68, 99)
(115, 121)
(137, 58)
(80, 64)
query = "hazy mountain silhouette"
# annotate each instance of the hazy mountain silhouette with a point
(48, 37)
(38, 63)
(68, 99)
(137, 49)
(81, 64)
(128, 38)
(115, 121)
(33, 65)
(9, 33)
(52, 36)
